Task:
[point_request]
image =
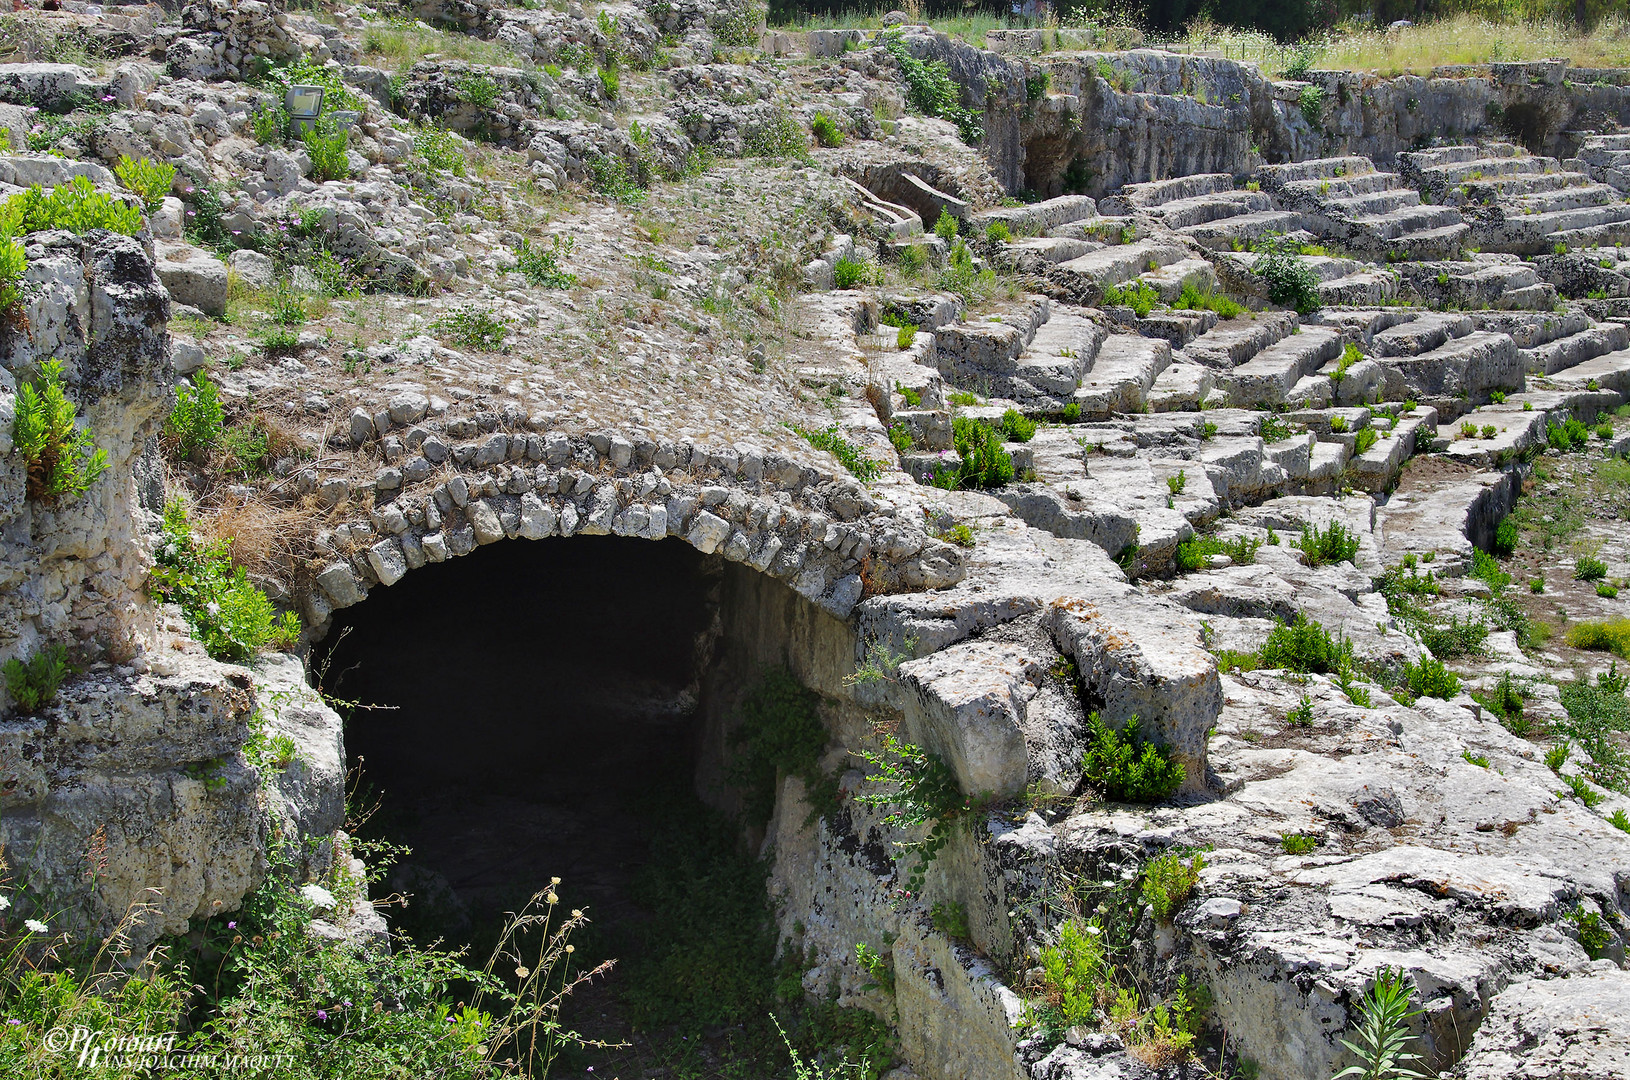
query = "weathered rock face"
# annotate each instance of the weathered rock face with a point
(1555, 1029)
(224, 39)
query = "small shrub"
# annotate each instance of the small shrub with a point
(1382, 1032)
(195, 422)
(149, 180)
(1338, 424)
(950, 918)
(1176, 484)
(1505, 537)
(76, 206)
(984, 461)
(1468, 431)
(1077, 971)
(440, 150)
(33, 685)
(1429, 678)
(473, 326)
(1016, 427)
(1557, 756)
(1291, 282)
(826, 131)
(946, 227)
(900, 437)
(1302, 714)
(1536, 585)
(905, 337)
(1273, 430)
(610, 83)
(60, 460)
(1305, 646)
(856, 460)
(1489, 431)
(1504, 700)
(959, 534)
(1125, 768)
(541, 266)
(1589, 568)
(924, 790)
(998, 232)
(930, 89)
(1606, 590)
(912, 398)
(1364, 440)
(1168, 882)
(1619, 820)
(1568, 436)
(848, 272)
(1140, 296)
(1595, 935)
(1192, 299)
(328, 155)
(1334, 543)
(228, 615)
(1579, 788)
(1193, 552)
(1297, 844)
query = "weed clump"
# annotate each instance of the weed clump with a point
(474, 327)
(195, 422)
(33, 685)
(61, 460)
(228, 615)
(780, 735)
(1334, 543)
(149, 180)
(930, 89)
(1193, 552)
(541, 266)
(1168, 882)
(985, 463)
(1291, 282)
(925, 792)
(826, 130)
(1126, 768)
(860, 465)
(1305, 646)
(1429, 678)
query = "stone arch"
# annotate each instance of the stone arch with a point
(827, 537)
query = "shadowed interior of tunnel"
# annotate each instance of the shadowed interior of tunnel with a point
(533, 700)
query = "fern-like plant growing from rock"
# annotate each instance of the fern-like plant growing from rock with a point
(61, 459)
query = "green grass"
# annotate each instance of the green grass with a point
(853, 457)
(1192, 299)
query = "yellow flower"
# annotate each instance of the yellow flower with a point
(551, 899)
(554, 881)
(571, 948)
(521, 973)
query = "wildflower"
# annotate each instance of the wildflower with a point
(322, 1015)
(571, 949)
(554, 881)
(232, 925)
(317, 895)
(14, 1021)
(5, 902)
(522, 972)
(36, 926)
(551, 899)
(348, 1003)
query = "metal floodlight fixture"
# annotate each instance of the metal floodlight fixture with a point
(305, 105)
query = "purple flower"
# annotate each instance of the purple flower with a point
(231, 926)
(14, 1021)
(192, 213)
(321, 1015)
(348, 1004)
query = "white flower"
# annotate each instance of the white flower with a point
(5, 902)
(36, 926)
(318, 895)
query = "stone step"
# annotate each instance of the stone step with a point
(1346, 187)
(1220, 235)
(1457, 375)
(1176, 325)
(1441, 156)
(1576, 196)
(1570, 351)
(1049, 250)
(1037, 217)
(1408, 220)
(1484, 168)
(1420, 335)
(1538, 234)
(1508, 187)
(1609, 142)
(1181, 387)
(1099, 229)
(1121, 263)
(1531, 329)
(1234, 342)
(1160, 192)
(1269, 376)
(1122, 373)
(1170, 280)
(1366, 287)
(1486, 281)
(1429, 243)
(1315, 169)
(1608, 372)
(1373, 203)
(1200, 209)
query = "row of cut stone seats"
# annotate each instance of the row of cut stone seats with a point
(1206, 209)
(1346, 199)
(1520, 203)
(1606, 158)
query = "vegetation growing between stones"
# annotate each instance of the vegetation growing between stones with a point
(228, 615)
(985, 463)
(1382, 1032)
(930, 89)
(1334, 543)
(1193, 553)
(541, 266)
(1169, 881)
(33, 684)
(923, 793)
(1290, 282)
(1306, 647)
(195, 422)
(148, 179)
(1598, 717)
(61, 459)
(1124, 767)
(781, 735)
(860, 464)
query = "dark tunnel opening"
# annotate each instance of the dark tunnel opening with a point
(527, 701)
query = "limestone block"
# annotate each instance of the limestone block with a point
(967, 705)
(193, 277)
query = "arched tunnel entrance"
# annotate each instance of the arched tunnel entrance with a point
(558, 708)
